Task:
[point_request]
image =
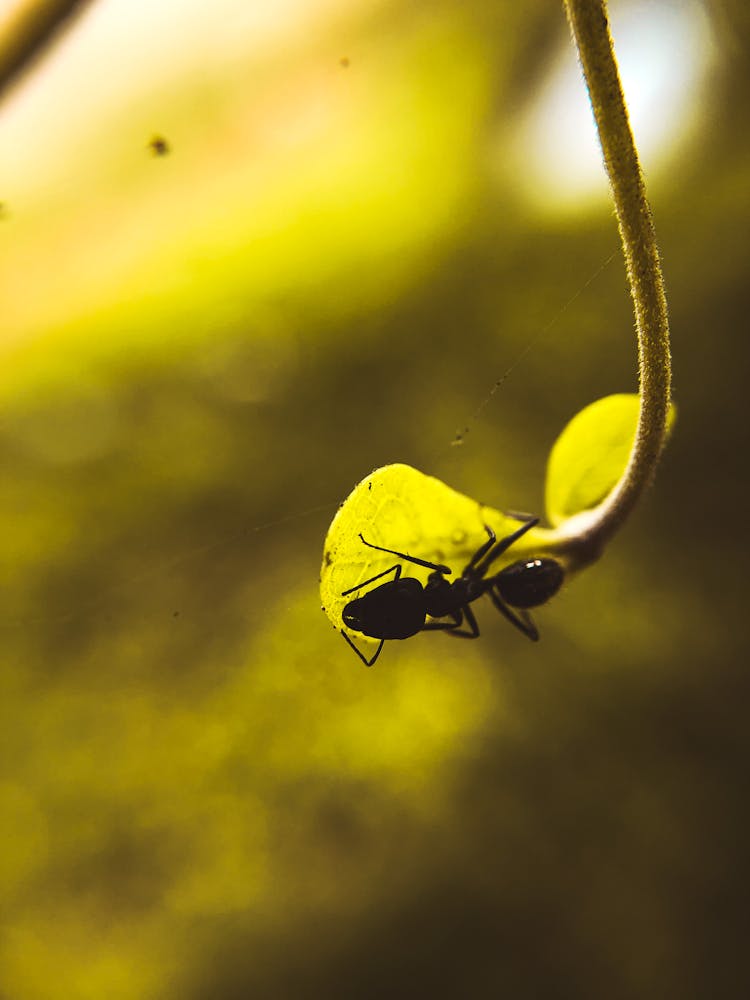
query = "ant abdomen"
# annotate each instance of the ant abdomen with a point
(529, 583)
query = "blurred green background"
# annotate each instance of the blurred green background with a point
(370, 210)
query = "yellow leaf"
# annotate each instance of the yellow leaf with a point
(397, 507)
(590, 455)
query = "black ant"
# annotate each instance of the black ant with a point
(399, 608)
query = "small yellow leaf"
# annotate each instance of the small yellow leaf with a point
(590, 455)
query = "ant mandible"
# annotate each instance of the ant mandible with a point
(399, 608)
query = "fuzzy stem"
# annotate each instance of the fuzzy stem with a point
(584, 535)
(25, 28)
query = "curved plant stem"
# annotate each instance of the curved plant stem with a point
(26, 27)
(583, 536)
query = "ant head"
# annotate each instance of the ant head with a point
(530, 583)
(354, 614)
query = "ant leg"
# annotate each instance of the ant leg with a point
(452, 628)
(471, 621)
(436, 626)
(367, 663)
(483, 549)
(443, 626)
(372, 579)
(408, 558)
(528, 519)
(503, 545)
(522, 620)
(518, 515)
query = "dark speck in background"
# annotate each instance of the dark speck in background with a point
(159, 145)
(344, 62)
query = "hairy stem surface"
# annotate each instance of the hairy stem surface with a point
(584, 535)
(25, 29)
